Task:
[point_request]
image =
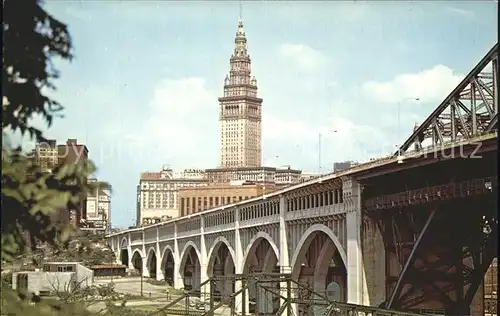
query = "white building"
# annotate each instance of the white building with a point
(157, 193)
(98, 209)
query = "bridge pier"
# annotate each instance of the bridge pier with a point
(159, 270)
(241, 300)
(284, 258)
(357, 290)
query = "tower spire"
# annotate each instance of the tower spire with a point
(241, 11)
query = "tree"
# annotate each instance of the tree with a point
(32, 39)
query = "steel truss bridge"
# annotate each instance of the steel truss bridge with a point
(411, 232)
(281, 286)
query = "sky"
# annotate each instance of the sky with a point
(142, 90)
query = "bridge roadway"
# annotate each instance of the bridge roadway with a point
(412, 231)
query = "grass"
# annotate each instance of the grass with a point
(157, 282)
(170, 289)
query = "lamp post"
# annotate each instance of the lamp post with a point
(319, 147)
(142, 271)
(400, 158)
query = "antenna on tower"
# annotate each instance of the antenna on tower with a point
(241, 11)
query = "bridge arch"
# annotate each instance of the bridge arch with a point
(254, 243)
(123, 251)
(319, 263)
(306, 238)
(262, 255)
(221, 262)
(218, 242)
(168, 264)
(137, 256)
(151, 262)
(124, 243)
(190, 266)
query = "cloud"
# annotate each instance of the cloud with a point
(341, 139)
(176, 124)
(429, 85)
(305, 57)
(275, 127)
(460, 12)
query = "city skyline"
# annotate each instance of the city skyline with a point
(316, 72)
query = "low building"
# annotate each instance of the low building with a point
(48, 155)
(272, 175)
(341, 166)
(109, 270)
(54, 277)
(308, 176)
(194, 200)
(98, 209)
(157, 193)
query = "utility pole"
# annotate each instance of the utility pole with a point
(319, 148)
(319, 153)
(142, 278)
(399, 122)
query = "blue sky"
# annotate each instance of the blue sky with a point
(142, 90)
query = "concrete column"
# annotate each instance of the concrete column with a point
(145, 269)
(159, 268)
(356, 283)
(284, 258)
(239, 264)
(178, 275)
(203, 262)
(129, 251)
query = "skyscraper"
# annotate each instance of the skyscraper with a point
(240, 111)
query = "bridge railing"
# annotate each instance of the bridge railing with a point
(439, 192)
(267, 283)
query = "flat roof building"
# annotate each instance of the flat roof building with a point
(198, 199)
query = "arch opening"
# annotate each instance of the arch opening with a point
(221, 263)
(124, 257)
(151, 264)
(137, 261)
(319, 267)
(191, 270)
(168, 266)
(262, 258)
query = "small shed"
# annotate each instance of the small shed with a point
(110, 270)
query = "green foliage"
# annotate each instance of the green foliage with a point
(89, 249)
(32, 200)
(32, 38)
(18, 304)
(76, 302)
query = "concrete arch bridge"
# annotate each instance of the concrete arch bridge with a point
(412, 231)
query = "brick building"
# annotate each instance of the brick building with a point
(198, 199)
(48, 155)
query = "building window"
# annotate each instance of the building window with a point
(65, 269)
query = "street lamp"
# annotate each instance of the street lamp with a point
(400, 157)
(142, 271)
(319, 148)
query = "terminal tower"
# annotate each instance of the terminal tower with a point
(240, 111)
